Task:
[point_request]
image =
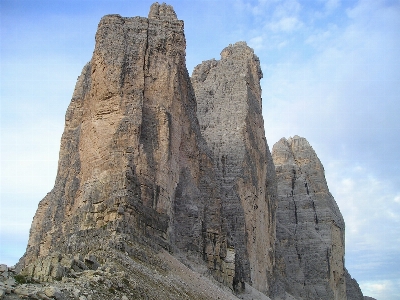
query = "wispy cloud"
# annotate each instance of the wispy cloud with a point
(381, 289)
(341, 94)
(331, 74)
(285, 24)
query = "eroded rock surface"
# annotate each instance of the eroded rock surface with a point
(148, 174)
(353, 291)
(133, 166)
(310, 228)
(228, 95)
(142, 274)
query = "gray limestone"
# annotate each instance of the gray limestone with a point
(155, 166)
(310, 228)
(228, 96)
(353, 290)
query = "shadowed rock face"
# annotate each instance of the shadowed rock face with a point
(144, 165)
(132, 160)
(310, 227)
(228, 95)
(353, 291)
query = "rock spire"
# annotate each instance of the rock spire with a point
(310, 228)
(228, 95)
(155, 166)
(133, 165)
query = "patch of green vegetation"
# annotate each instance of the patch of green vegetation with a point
(125, 281)
(111, 290)
(20, 279)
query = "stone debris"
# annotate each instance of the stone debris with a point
(166, 188)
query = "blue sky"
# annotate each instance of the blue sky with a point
(331, 74)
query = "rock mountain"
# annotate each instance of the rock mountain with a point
(166, 188)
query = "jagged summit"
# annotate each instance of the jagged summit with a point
(166, 187)
(310, 228)
(132, 161)
(162, 11)
(228, 95)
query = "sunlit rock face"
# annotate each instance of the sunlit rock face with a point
(228, 95)
(132, 160)
(155, 166)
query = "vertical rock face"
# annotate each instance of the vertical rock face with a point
(142, 165)
(228, 95)
(132, 165)
(353, 291)
(310, 227)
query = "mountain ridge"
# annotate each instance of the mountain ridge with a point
(141, 176)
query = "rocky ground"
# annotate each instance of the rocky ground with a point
(149, 274)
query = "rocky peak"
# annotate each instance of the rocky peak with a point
(310, 228)
(228, 95)
(241, 52)
(162, 12)
(133, 166)
(282, 153)
(155, 166)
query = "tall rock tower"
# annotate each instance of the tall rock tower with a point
(228, 95)
(133, 165)
(310, 228)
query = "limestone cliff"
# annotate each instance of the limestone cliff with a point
(155, 166)
(353, 291)
(310, 228)
(228, 95)
(133, 165)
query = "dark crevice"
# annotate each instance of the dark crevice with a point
(329, 264)
(293, 179)
(298, 254)
(145, 60)
(315, 212)
(124, 62)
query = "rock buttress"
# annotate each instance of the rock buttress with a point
(228, 96)
(353, 291)
(310, 228)
(133, 165)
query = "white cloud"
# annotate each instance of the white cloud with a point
(337, 84)
(381, 289)
(286, 24)
(341, 96)
(256, 43)
(332, 4)
(365, 203)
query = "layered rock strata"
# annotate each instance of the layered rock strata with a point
(144, 165)
(228, 95)
(133, 165)
(310, 228)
